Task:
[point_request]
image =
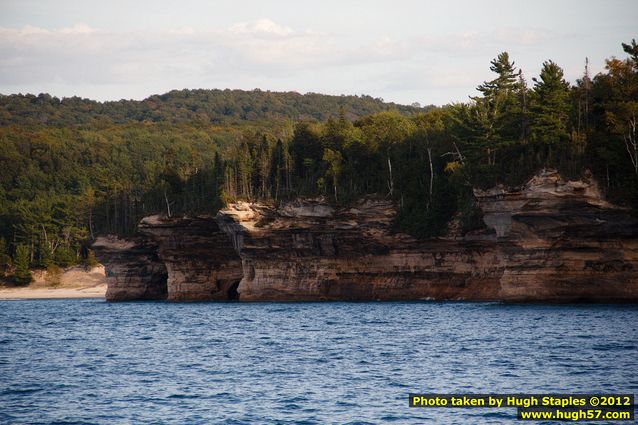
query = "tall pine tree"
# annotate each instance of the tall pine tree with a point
(550, 113)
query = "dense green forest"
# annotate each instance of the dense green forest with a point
(190, 106)
(73, 168)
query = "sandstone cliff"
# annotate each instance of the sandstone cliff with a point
(133, 269)
(182, 259)
(201, 263)
(552, 241)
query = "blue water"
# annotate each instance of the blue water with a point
(88, 361)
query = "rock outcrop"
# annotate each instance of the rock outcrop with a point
(306, 251)
(133, 268)
(559, 241)
(551, 241)
(201, 263)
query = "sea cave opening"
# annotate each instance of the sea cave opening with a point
(232, 292)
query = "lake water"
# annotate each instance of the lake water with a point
(88, 361)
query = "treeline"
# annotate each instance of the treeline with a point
(61, 186)
(429, 162)
(189, 106)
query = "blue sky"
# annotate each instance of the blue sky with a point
(403, 51)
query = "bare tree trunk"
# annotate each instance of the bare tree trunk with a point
(287, 171)
(90, 223)
(391, 181)
(431, 176)
(277, 178)
(631, 143)
(458, 152)
(168, 205)
(587, 88)
(46, 238)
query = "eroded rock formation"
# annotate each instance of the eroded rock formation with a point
(133, 268)
(200, 261)
(307, 251)
(178, 259)
(560, 241)
(551, 241)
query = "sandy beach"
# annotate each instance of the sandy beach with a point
(44, 293)
(72, 283)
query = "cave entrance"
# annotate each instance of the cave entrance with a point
(232, 292)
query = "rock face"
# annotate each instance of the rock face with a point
(559, 241)
(306, 251)
(200, 261)
(551, 241)
(133, 269)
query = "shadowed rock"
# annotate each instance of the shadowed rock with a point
(133, 268)
(550, 241)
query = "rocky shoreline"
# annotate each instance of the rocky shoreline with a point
(551, 241)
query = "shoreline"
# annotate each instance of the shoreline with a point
(27, 293)
(74, 282)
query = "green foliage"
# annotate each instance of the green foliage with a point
(65, 256)
(90, 261)
(46, 255)
(22, 274)
(334, 161)
(189, 106)
(422, 222)
(5, 258)
(551, 106)
(74, 168)
(470, 214)
(53, 275)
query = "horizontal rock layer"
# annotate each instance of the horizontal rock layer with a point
(133, 268)
(551, 241)
(200, 261)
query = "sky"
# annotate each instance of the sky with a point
(431, 52)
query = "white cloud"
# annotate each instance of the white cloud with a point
(110, 64)
(260, 47)
(261, 26)
(77, 29)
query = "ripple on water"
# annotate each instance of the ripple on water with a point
(85, 361)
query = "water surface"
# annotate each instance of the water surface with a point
(88, 361)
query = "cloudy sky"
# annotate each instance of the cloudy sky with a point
(403, 51)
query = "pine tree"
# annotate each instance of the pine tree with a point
(21, 260)
(506, 79)
(550, 114)
(495, 117)
(4, 257)
(218, 183)
(632, 50)
(522, 112)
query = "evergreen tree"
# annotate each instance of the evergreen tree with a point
(495, 118)
(22, 274)
(65, 256)
(218, 183)
(505, 81)
(5, 259)
(632, 50)
(550, 113)
(521, 112)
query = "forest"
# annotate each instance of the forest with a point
(190, 106)
(75, 168)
